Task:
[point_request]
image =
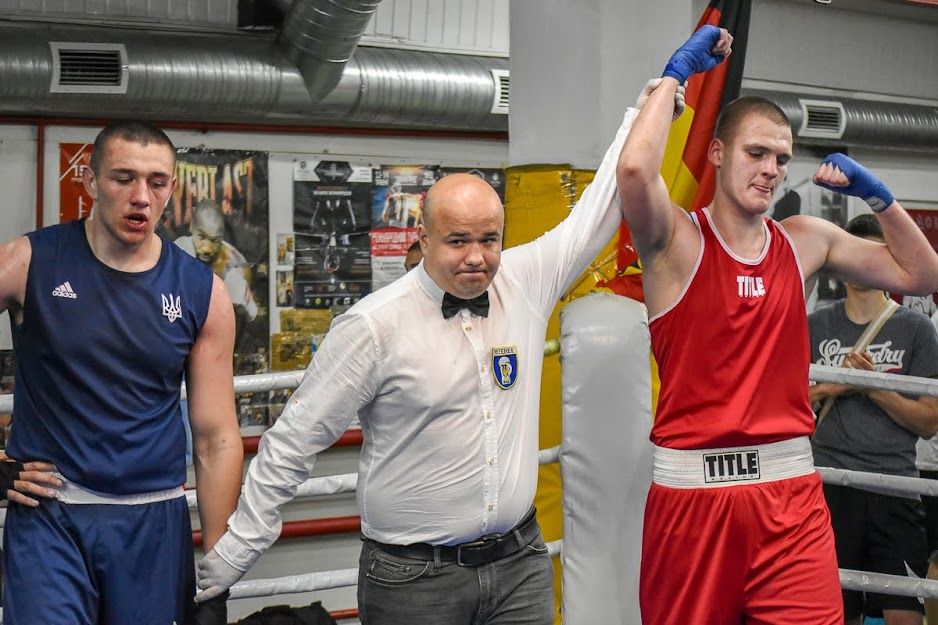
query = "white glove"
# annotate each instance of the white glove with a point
(216, 576)
(653, 84)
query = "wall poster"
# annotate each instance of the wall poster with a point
(332, 264)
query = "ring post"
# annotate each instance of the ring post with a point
(605, 456)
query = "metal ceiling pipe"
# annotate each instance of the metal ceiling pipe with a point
(867, 123)
(319, 37)
(246, 78)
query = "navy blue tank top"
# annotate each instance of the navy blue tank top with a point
(100, 357)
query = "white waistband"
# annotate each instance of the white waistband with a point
(70, 492)
(732, 466)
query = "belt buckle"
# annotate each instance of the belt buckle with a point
(473, 545)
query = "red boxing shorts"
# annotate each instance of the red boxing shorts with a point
(739, 535)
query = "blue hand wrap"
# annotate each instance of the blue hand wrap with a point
(863, 183)
(695, 55)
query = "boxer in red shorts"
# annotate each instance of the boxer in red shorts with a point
(736, 526)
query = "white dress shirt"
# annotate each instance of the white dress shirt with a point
(448, 454)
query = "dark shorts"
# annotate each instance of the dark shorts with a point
(95, 564)
(931, 514)
(881, 534)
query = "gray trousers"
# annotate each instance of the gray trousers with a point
(516, 590)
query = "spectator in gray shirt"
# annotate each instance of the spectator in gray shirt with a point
(874, 431)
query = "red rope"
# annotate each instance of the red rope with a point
(309, 527)
(351, 438)
(344, 614)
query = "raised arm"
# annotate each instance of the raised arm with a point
(644, 196)
(905, 264)
(560, 256)
(218, 453)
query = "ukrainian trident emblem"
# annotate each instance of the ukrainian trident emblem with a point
(172, 309)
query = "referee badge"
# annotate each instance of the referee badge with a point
(505, 366)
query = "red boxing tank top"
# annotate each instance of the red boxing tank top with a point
(733, 351)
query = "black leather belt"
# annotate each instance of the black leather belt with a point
(476, 553)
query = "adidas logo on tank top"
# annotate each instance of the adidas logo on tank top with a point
(64, 290)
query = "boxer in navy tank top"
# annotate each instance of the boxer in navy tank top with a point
(107, 317)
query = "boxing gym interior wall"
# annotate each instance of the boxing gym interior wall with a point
(839, 47)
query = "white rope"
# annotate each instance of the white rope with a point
(348, 482)
(263, 382)
(549, 455)
(818, 373)
(344, 578)
(889, 584)
(267, 381)
(896, 485)
(310, 582)
(295, 583)
(849, 579)
(333, 484)
(875, 380)
(554, 548)
(242, 384)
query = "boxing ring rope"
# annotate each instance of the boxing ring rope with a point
(889, 584)
(594, 312)
(875, 380)
(286, 380)
(350, 438)
(327, 580)
(281, 380)
(329, 485)
(348, 482)
(311, 582)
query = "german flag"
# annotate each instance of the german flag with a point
(686, 169)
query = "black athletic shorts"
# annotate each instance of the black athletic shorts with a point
(931, 514)
(881, 534)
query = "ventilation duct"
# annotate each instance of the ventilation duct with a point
(822, 119)
(319, 36)
(91, 68)
(862, 123)
(246, 78)
(500, 103)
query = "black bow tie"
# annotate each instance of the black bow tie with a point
(477, 305)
